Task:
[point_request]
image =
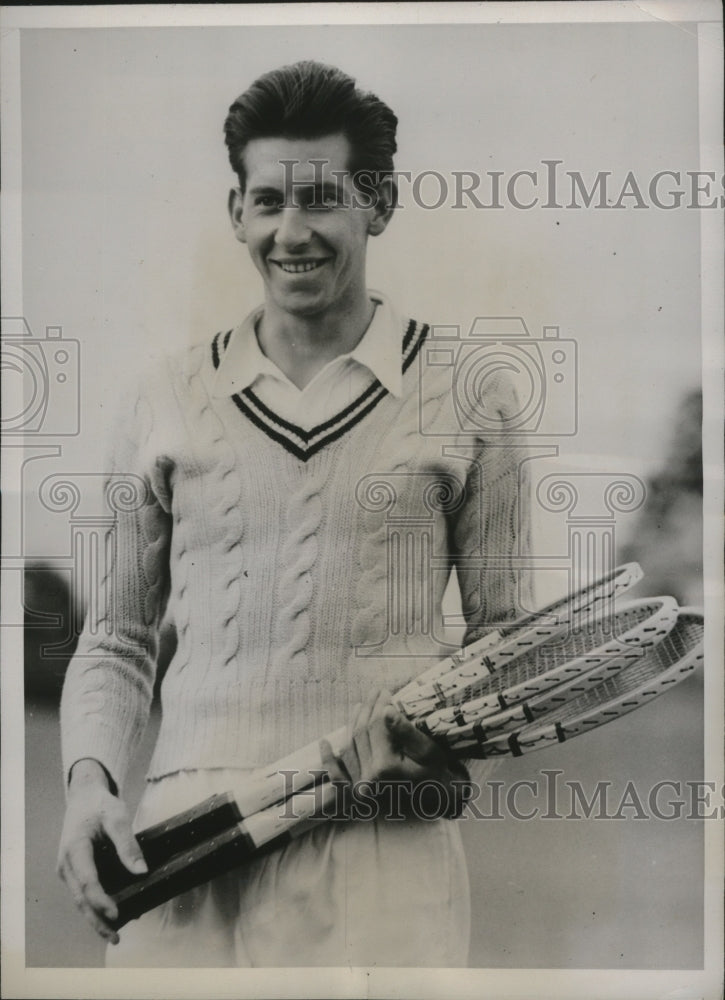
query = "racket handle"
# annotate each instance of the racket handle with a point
(265, 831)
(183, 872)
(219, 812)
(159, 843)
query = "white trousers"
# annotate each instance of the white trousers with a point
(378, 893)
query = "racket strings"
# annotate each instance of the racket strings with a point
(675, 648)
(545, 663)
(665, 661)
(503, 644)
(487, 716)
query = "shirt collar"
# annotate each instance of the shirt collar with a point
(379, 351)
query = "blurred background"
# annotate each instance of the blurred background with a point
(127, 251)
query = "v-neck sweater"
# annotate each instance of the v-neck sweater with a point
(333, 387)
(303, 569)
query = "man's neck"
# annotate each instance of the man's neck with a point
(302, 345)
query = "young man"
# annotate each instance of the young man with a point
(274, 460)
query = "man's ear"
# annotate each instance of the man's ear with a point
(234, 205)
(382, 211)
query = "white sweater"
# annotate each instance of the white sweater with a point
(303, 569)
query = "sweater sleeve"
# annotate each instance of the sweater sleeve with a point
(492, 529)
(492, 534)
(109, 684)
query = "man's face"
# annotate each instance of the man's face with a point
(304, 232)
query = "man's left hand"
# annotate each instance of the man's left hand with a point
(386, 747)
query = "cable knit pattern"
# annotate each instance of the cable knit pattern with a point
(109, 685)
(299, 579)
(299, 554)
(396, 491)
(223, 501)
(494, 523)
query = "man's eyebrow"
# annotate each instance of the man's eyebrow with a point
(316, 188)
(265, 189)
(301, 193)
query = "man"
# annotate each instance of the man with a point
(271, 458)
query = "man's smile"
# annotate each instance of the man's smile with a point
(311, 252)
(299, 266)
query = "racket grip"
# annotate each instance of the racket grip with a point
(265, 831)
(183, 872)
(160, 842)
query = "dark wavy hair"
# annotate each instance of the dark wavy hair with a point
(309, 100)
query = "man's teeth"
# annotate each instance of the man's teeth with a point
(298, 268)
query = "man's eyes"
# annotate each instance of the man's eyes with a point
(268, 201)
(313, 202)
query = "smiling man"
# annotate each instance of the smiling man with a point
(296, 212)
(272, 456)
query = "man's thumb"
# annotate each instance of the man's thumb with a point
(127, 848)
(407, 737)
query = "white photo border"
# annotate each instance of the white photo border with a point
(19, 981)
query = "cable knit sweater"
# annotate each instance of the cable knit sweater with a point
(302, 569)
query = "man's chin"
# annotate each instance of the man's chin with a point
(302, 304)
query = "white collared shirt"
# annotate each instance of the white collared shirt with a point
(338, 384)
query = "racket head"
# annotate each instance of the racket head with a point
(477, 660)
(560, 668)
(664, 665)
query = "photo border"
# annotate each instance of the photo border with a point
(422, 983)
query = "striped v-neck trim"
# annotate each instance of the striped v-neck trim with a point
(299, 442)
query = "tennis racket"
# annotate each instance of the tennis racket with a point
(557, 670)
(654, 650)
(228, 848)
(276, 782)
(664, 666)
(661, 667)
(480, 658)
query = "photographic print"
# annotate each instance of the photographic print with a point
(362, 465)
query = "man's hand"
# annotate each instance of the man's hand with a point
(92, 812)
(387, 747)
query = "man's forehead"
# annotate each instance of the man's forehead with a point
(280, 161)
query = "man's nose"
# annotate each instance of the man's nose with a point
(293, 230)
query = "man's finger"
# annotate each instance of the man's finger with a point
(383, 701)
(410, 740)
(97, 923)
(97, 920)
(82, 874)
(362, 745)
(127, 848)
(386, 753)
(364, 714)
